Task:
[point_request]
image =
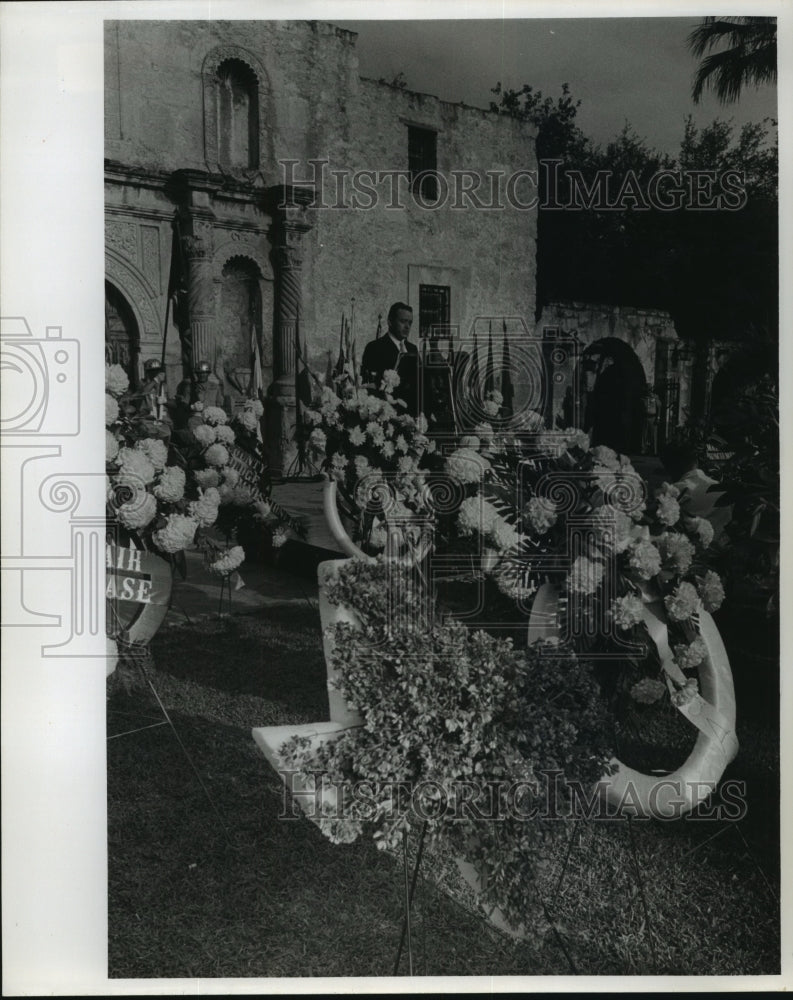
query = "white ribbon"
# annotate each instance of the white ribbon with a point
(699, 712)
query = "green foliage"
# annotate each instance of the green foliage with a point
(453, 719)
(750, 424)
(714, 271)
(754, 153)
(558, 135)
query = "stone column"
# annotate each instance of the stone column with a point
(289, 225)
(194, 191)
(201, 295)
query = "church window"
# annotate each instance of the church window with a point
(238, 115)
(423, 161)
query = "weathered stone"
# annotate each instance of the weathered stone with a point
(164, 138)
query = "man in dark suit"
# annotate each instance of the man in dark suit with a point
(395, 351)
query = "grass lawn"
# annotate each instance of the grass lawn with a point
(272, 897)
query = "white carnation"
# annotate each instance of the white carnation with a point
(232, 559)
(466, 465)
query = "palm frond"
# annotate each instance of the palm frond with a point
(751, 57)
(738, 32)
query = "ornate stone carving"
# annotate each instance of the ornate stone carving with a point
(249, 246)
(288, 258)
(150, 250)
(123, 237)
(196, 247)
(289, 225)
(136, 289)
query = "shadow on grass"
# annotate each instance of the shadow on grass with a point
(279, 900)
(275, 655)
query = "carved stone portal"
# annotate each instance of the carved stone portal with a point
(290, 223)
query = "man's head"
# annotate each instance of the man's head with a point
(400, 319)
(202, 370)
(152, 369)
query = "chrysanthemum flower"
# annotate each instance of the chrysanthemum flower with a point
(205, 435)
(111, 410)
(138, 512)
(712, 591)
(170, 487)
(682, 604)
(178, 532)
(627, 611)
(216, 455)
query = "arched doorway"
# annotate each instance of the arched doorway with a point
(611, 383)
(122, 338)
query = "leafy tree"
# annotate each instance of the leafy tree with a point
(751, 57)
(557, 132)
(715, 271)
(724, 265)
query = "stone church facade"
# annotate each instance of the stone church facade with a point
(257, 189)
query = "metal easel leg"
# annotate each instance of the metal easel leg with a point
(188, 758)
(410, 889)
(642, 895)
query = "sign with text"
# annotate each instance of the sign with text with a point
(137, 592)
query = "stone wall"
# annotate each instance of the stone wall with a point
(649, 333)
(641, 329)
(313, 106)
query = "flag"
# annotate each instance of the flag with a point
(175, 299)
(490, 377)
(507, 389)
(303, 387)
(474, 381)
(257, 384)
(379, 326)
(339, 369)
(354, 363)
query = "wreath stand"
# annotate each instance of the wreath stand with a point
(270, 739)
(713, 713)
(135, 622)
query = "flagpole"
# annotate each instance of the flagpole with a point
(507, 388)
(353, 359)
(174, 279)
(340, 360)
(490, 364)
